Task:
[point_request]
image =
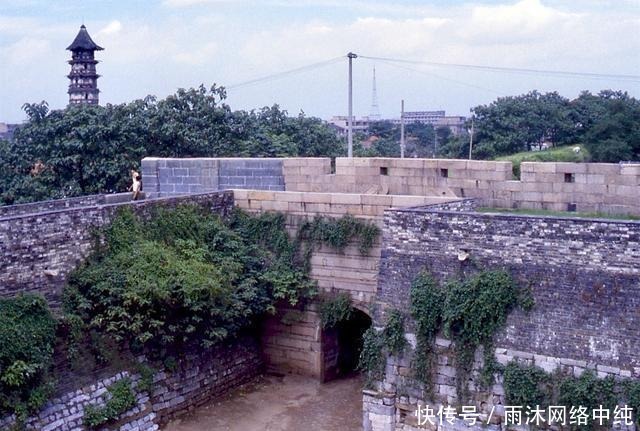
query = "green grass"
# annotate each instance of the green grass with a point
(559, 154)
(532, 212)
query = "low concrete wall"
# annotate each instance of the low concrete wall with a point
(196, 380)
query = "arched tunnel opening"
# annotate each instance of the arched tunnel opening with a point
(342, 345)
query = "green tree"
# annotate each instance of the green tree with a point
(90, 149)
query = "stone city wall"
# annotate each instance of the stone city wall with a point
(38, 250)
(196, 380)
(293, 341)
(60, 204)
(583, 187)
(584, 275)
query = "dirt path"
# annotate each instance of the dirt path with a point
(290, 403)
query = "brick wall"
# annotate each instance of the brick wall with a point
(38, 250)
(584, 275)
(172, 177)
(196, 380)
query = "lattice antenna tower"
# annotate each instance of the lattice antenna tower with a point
(375, 109)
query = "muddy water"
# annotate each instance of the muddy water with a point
(290, 403)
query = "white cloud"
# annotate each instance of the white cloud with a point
(25, 51)
(111, 28)
(156, 53)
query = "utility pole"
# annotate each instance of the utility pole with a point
(402, 129)
(471, 137)
(351, 56)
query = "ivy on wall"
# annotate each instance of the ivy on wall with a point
(372, 360)
(426, 309)
(377, 344)
(335, 309)
(469, 311)
(337, 233)
(528, 385)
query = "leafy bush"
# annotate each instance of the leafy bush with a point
(184, 278)
(525, 385)
(27, 336)
(122, 398)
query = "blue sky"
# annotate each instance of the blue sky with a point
(155, 47)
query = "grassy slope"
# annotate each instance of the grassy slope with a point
(559, 154)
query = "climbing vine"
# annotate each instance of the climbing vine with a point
(372, 360)
(588, 391)
(335, 309)
(474, 310)
(337, 233)
(393, 333)
(426, 309)
(469, 311)
(527, 385)
(632, 393)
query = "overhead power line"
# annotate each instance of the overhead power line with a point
(411, 69)
(286, 73)
(567, 74)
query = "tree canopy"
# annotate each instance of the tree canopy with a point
(90, 149)
(607, 124)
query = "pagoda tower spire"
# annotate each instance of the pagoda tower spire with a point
(83, 86)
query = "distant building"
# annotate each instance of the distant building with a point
(435, 118)
(83, 86)
(424, 117)
(7, 130)
(341, 123)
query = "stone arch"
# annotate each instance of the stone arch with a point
(342, 344)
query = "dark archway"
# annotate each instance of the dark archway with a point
(342, 344)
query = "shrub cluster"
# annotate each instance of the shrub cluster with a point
(528, 385)
(27, 337)
(184, 278)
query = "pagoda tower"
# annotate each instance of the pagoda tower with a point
(83, 88)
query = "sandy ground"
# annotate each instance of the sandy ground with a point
(289, 403)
